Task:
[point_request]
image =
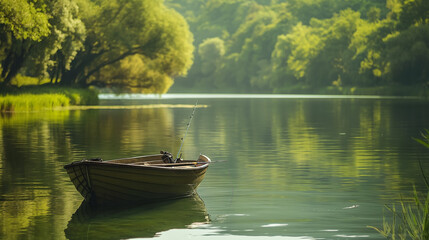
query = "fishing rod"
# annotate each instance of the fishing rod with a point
(186, 133)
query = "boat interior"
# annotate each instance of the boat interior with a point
(161, 160)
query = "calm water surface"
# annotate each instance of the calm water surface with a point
(284, 168)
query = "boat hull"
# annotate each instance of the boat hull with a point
(109, 183)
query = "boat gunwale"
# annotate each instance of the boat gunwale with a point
(204, 164)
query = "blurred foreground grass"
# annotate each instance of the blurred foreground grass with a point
(410, 221)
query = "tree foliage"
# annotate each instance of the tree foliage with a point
(121, 29)
(408, 55)
(274, 46)
(23, 19)
(73, 40)
(23, 24)
(211, 52)
(242, 45)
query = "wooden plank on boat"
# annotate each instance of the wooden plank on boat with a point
(137, 159)
(145, 178)
(142, 186)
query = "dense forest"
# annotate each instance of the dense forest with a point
(266, 46)
(127, 44)
(302, 45)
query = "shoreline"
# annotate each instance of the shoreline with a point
(37, 98)
(135, 96)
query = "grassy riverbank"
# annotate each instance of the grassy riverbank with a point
(33, 98)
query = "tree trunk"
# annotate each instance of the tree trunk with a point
(15, 60)
(106, 63)
(78, 73)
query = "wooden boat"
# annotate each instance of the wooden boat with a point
(137, 179)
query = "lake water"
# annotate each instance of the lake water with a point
(284, 167)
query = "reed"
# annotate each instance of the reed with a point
(411, 219)
(32, 102)
(38, 97)
(77, 96)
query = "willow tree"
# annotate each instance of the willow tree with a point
(38, 37)
(22, 24)
(119, 29)
(55, 52)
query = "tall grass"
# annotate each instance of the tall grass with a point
(32, 102)
(410, 220)
(31, 98)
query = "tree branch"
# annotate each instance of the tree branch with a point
(109, 62)
(115, 15)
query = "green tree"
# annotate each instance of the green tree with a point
(294, 51)
(54, 54)
(23, 24)
(275, 45)
(257, 38)
(408, 55)
(319, 54)
(396, 47)
(119, 29)
(49, 46)
(413, 12)
(211, 52)
(221, 16)
(136, 73)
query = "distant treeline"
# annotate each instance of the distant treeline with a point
(287, 45)
(128, 44)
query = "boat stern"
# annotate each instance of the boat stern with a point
(79, 176)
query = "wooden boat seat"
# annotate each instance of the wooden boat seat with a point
(146, 162)
(182, 164)
(133, 160)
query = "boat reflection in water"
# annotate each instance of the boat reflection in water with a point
(92, 222)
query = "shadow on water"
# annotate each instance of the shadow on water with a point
(91, 222)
